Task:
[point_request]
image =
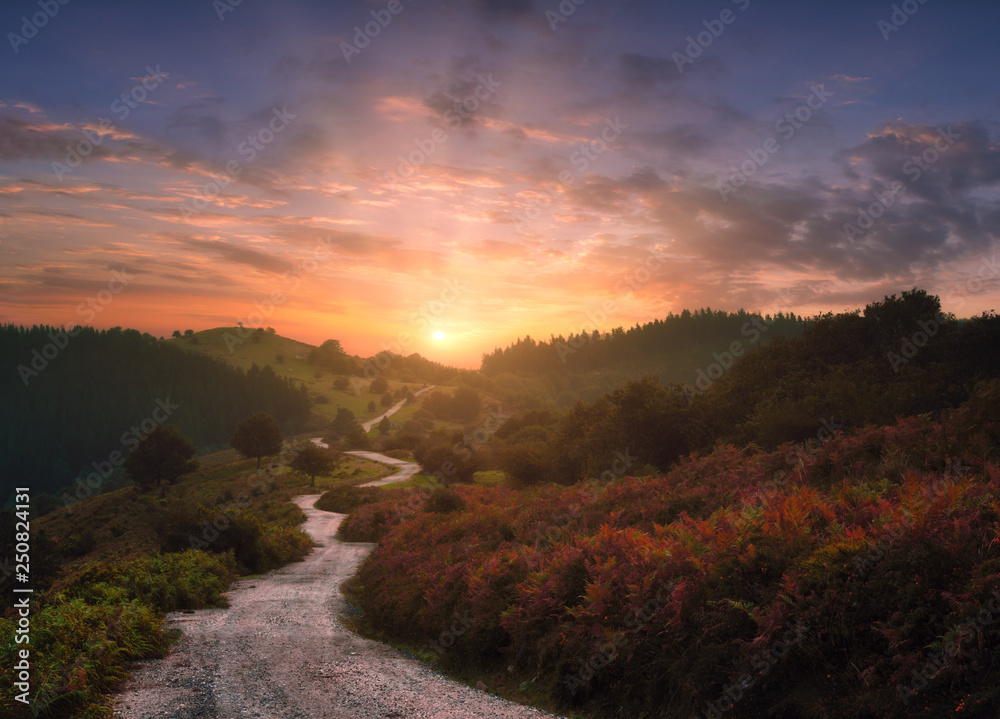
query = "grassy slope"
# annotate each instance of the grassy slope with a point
(213, 343)
(870, 541)
(130, 515)
(105, 606)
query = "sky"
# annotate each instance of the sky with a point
(378, 172)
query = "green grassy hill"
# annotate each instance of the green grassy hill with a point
(225, 344)
(288, 358)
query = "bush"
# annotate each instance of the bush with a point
(373, 521)
(444, 500)
(878, 548)
(344, 499)
(80, 655)
(184, 580)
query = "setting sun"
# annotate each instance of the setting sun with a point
(439, 335)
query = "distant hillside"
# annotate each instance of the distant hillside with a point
(77, 404)
(585, 366)
(260, 348)
(330, 377)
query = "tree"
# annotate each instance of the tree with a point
(448, 464)
(344, 424)
(188, 333)
(331, 356)
(379, 385)
(384, 426)
(371, 406)
(341, 383)
(176, 334)
(387, 400)
(465, 404)
(164, 454)
(257, 436)
(314, 460)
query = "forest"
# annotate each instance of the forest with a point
(583, 351)
(900, 356)
(98, 392)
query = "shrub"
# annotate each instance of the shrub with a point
(877, 548)
(344, 499)
(185, 580)
(80, 653)
(444, 500)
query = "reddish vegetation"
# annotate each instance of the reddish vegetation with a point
(856, 579)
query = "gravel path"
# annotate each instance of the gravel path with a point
(392, 410)
(278, 652)
(404, 469)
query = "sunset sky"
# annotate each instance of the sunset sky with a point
(489, 169)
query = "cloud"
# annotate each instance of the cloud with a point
(24, 140)
(934, 162)
(235, 253)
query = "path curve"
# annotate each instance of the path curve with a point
(405, 469)
(278, 650)
(392, 410)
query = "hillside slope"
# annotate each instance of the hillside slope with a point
(856, 578)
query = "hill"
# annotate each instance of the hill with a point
(76, 401)
(105, 570)
(583, 366)
(860, 580)
(331, 378)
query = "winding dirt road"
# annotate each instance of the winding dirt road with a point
(404, 469)
(278, 651)
(392, 410)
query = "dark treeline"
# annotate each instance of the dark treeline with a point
(69, 402)
(585, 352)
(898, 357)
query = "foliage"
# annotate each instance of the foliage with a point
(463, 406)
(876, 547)
(183, 580)
(448, 462)
(444, 500)
(845, 371)
(91, 399)
(313, 460)
(592, 351)
(163, 455)
(373, 520)
(259, 435)
(344, 499)
(79, 654)
(332, 356)
(345, 424)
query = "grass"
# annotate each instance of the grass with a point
(126, 557)
(264, 352)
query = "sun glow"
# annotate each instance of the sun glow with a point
(439, 335)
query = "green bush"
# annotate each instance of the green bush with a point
(345, 498)
(79, 654)
(185, 580)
